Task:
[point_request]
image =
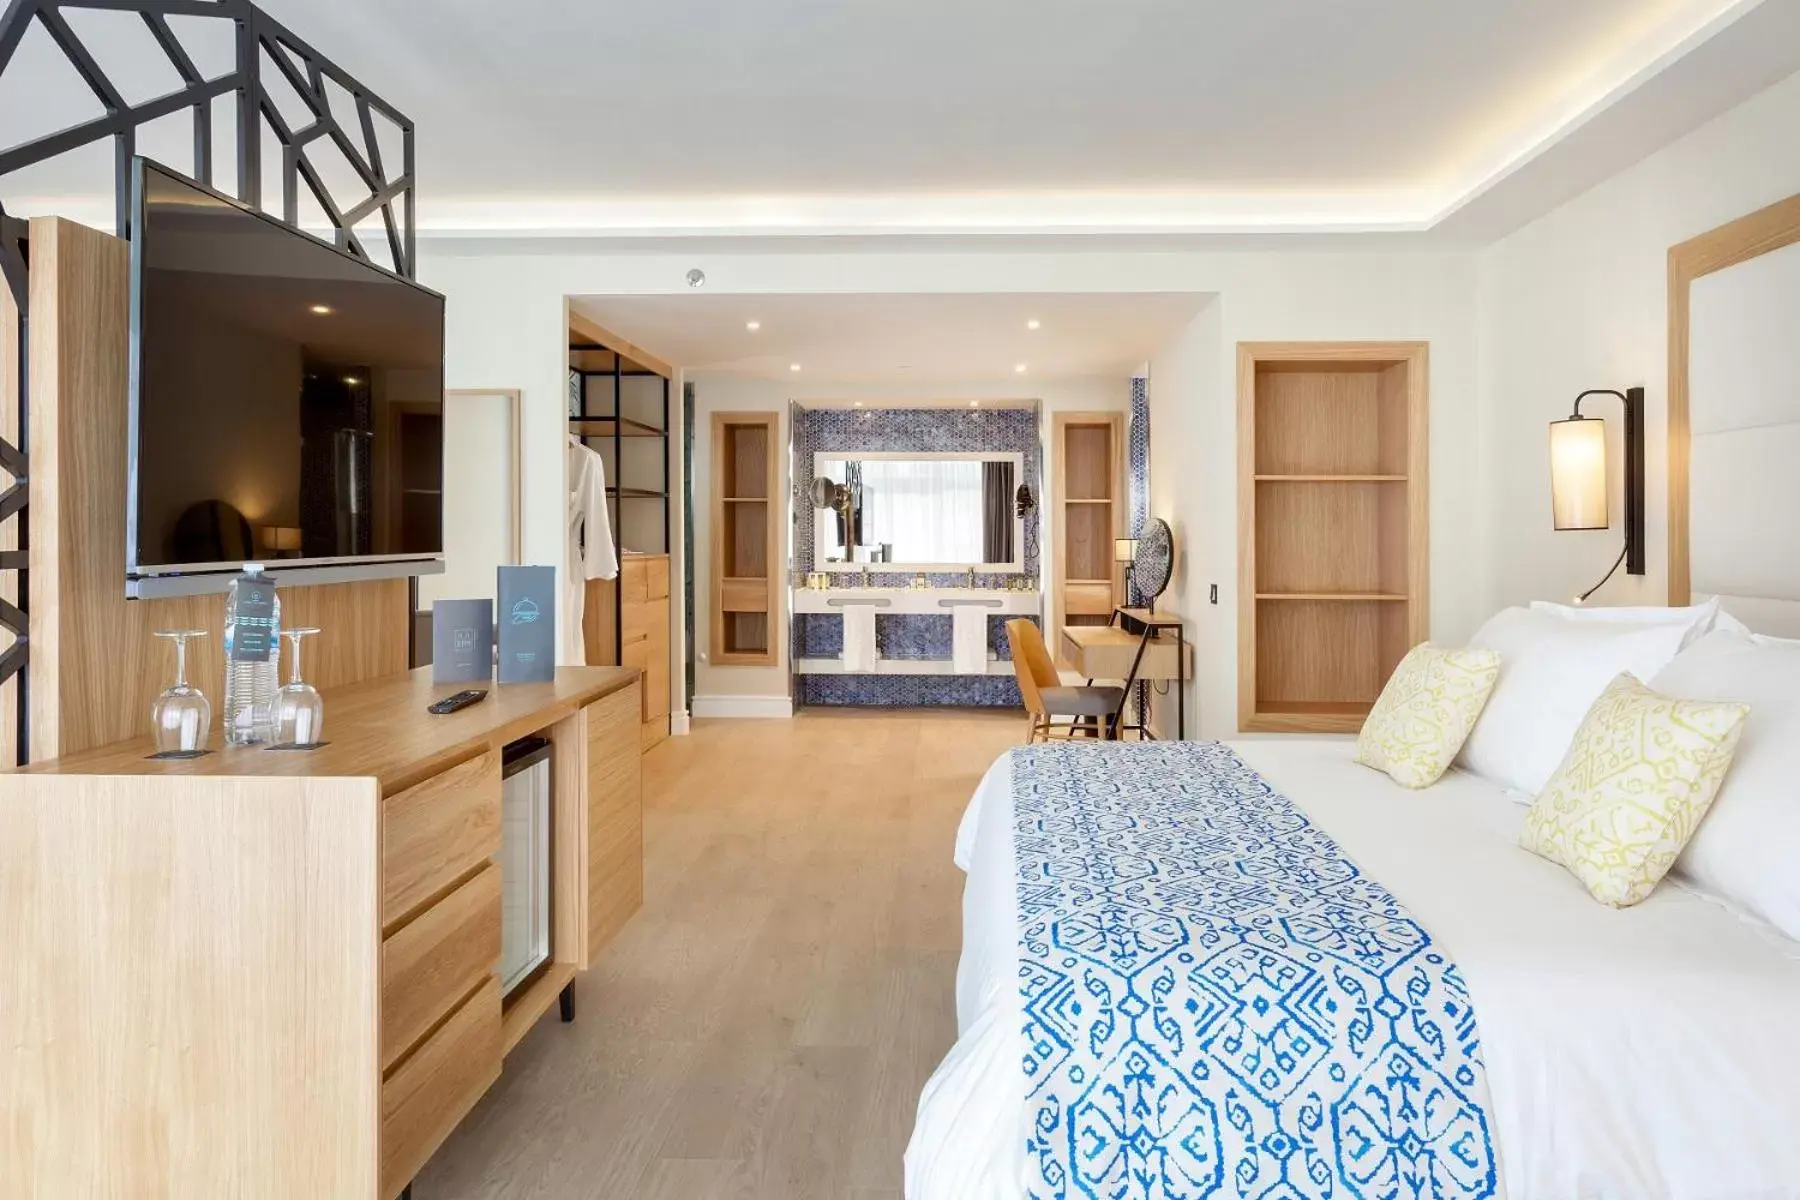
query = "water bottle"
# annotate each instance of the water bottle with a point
(252, 641)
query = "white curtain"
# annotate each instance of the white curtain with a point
(930, 510)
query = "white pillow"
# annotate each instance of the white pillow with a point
(1551, 671)
(1700, 619)
(1748, 848)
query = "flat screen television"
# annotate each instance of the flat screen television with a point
(286, 396)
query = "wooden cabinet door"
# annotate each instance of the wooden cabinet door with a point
(615, 816)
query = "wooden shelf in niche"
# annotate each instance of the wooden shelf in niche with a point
(1333, 575)
(1332, 537)
(1368, 597)
(744, 546)
(1087, 481)
(1331, 479)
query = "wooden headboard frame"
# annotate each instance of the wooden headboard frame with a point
(1738, 241)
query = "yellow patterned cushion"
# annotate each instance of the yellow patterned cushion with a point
(1632, 789)
(1425, 713)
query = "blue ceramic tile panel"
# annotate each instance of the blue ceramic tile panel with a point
(998, 431)
(910, 691)
(906, 635)
(1139, 461)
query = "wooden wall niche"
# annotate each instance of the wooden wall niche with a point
(1332, 528)
(1087, 468)
(96, 666)
(745, 548)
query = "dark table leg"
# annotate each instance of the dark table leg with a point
(565, 1003)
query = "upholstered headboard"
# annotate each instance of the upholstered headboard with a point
(1734, 419)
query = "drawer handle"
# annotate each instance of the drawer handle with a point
(881, 603)
(948, 603)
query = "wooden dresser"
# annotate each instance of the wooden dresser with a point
(640, 637)
(268, 973)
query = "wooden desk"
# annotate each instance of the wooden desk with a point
(271, 973)
(1113, 652)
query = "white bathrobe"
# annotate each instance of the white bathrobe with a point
(590, 552)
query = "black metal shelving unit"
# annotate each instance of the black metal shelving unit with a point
(598, 429)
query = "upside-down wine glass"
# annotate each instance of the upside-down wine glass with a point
(299, 710)
(182, 715)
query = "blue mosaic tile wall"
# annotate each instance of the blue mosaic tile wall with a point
(897, 635)
(908, 635)
(996, 431)
(910, 691)
(1138, 462)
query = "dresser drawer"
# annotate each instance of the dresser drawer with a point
(656, 578)
(1087, 599)
(432, 961)
(635, 624)
(634, 579)
(435, 1088)
(437, 832)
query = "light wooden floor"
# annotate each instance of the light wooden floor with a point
(763, 1027)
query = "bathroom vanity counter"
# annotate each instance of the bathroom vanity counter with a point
(927, 601)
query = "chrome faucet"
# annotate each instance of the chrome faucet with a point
(865, 575)
(971, 578)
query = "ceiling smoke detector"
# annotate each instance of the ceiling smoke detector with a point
(696, 278)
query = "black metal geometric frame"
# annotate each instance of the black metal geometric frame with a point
(386, 186)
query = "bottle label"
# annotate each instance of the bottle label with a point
(253, 637)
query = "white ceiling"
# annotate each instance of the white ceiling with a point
(900, 339)
(656, 117)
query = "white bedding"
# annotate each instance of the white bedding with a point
(1641, 1054)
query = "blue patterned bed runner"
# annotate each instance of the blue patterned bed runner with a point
(1218, 1003)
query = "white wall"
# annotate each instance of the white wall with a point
(479, 460)
(1578, 299)
(506, 328)
(1193, 433)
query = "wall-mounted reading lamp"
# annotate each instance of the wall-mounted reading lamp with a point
(1578, 484)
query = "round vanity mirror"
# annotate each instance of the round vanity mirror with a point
(1155, 561)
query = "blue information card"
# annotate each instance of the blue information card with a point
(527, 624)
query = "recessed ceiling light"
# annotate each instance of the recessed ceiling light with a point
(1034, 323)
(793, 366)
(323, 310)
(1019, 368)
(753, 326)
(696, 278)
(352, 380)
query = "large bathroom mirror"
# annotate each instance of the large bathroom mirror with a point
(917, 511)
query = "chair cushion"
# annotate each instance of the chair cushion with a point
(1083, 701)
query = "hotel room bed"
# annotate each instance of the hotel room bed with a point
(1635, 1054)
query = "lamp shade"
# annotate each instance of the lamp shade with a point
(281, 537)
(1578, 473)
(1124, 550)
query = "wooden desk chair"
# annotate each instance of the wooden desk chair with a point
(1093, 711)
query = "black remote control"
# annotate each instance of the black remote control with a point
(461, 700)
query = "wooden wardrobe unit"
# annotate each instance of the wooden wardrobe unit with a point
(1332, 528)
(1087, 458)
(642, 588)
(745, 546)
